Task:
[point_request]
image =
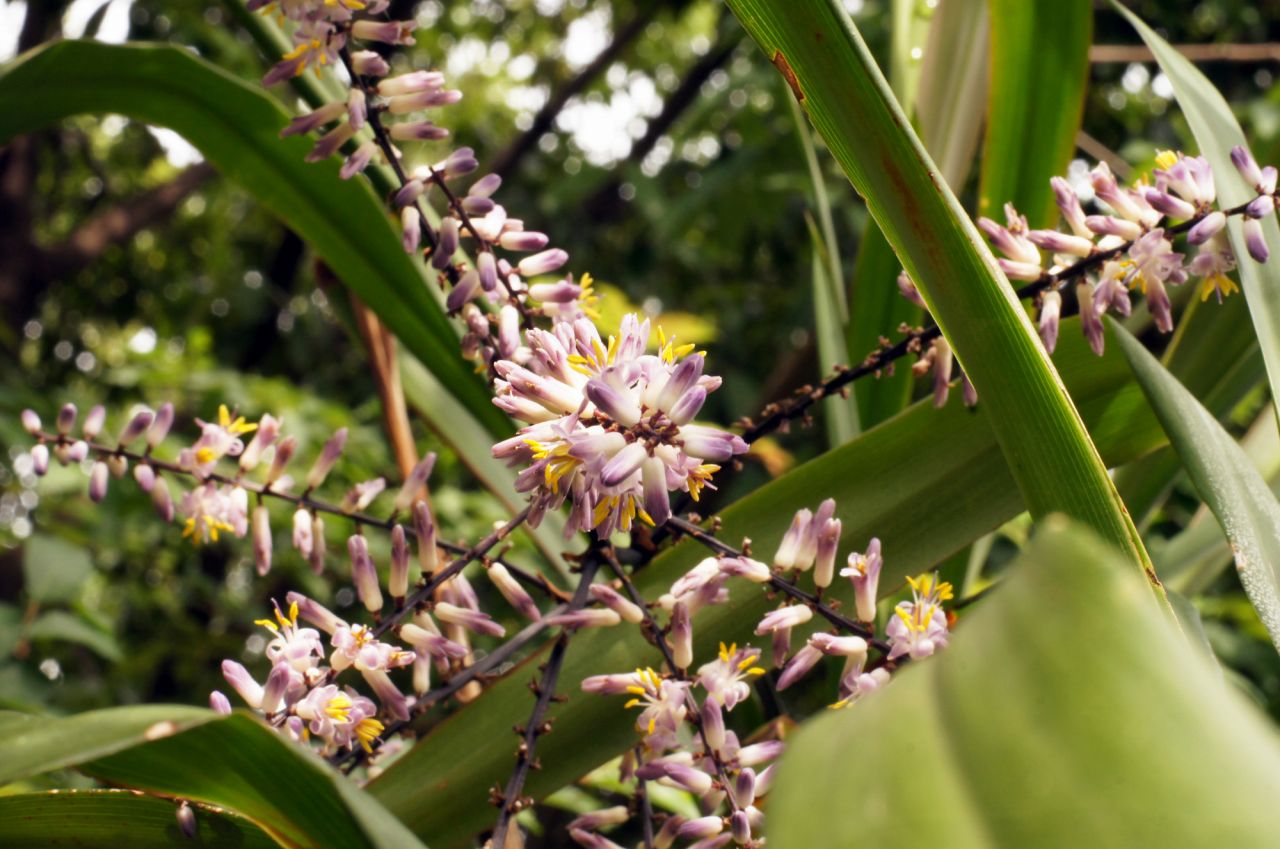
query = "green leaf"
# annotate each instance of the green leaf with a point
(927, 483)
(1040, 70)
(54, 570)
(1040, 432)
(109, 819)
(59, 625)
(1215, 362)
(1223, 475)
(1067, 712)
(953, 86)
(952, 98)
(236, 126)
(231, 762)
(1217, 131)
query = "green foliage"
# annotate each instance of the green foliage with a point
(1217, 131)
(236, 127)
(830, 68)
(1050, 722)
(1225, 477)
(113, 818)
(1039, 72)
(232, 762)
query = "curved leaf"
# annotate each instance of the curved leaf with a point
(236, 126)
(927, 482)
(231, 762)
(109, 819)
(816, 47)
(1066, 713)
(1217, 131)
(1039, 74)
(1224, 476)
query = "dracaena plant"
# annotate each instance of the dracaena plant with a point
(606, 431)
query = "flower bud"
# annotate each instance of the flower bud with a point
(66, 418)
(1050, 313)
(701, 828)
(31, 422)
(98, 481)
(136, 427)
(77, 451)
(242, 682)
(118, 465)
(160, 425)
(744, 787)
(593, 820)
(316, 613)
(543, 263)
(523, 240)
(364, 574)
(318, 548)
(740, 826)
(262, 539)
(187, 820)
(398, 581)
(1255, 241)
(784, 617)
(681, 636)
(145, 476)
(302, 531)
(828, 540)
(472, 620)
(284, 453)
(410, 228)
(487, 267)
(614, 600)
(219, 703)
(93, 422)
(485, 186)
(792, 540)
(273, 692)
(263, 438)
(590, 618)
(447, 244)
(424, 527)
(799, 666)
(515, 594)
(161, 500)
(328, 457)
(40, 459)
(713, 724)
(416, 480)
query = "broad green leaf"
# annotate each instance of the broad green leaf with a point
(952, 97)
(927, 482)
(1190, 560)
(1219, 365)
(232, 762)
(1216, 131)
(1223, 475)
(236, 126)
(818, 50)
(1067, 712)
(60, 625)
(109, 819)
(1040, 70)
(54, 570)
(908, 32)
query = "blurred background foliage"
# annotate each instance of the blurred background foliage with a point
(649, 138)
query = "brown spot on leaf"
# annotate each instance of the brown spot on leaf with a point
(784, 67)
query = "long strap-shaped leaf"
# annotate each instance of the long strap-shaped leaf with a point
(816, 47)
(232, 762)
(236, 125)
(1227, 480)
(1217, 131)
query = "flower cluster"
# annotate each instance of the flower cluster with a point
(609, 427)
(1127, 243)
(682, 716)
(382, 110)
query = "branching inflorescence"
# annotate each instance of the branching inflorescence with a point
(608, 429)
